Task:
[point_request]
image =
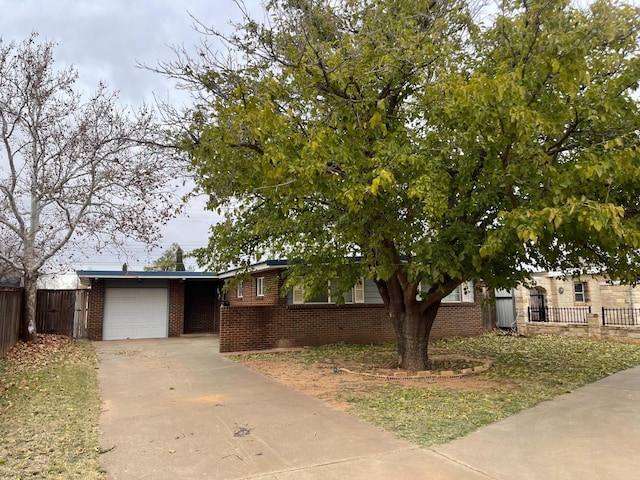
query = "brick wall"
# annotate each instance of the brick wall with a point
(249, 297)
(176, 308)
(459, 320)
(96, 311)
(255, 327)
(593, 330)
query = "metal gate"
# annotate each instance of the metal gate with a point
(505, 309)
(537, 310)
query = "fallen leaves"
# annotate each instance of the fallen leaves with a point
(26, 355)
(49, 407)
(428, 412)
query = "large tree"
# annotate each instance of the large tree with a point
(421, 143)
(75, 171)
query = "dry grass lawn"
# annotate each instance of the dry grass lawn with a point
(432, 411)
(49, 409)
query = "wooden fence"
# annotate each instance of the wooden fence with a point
(62, 312)
(10, 315)
(55, 310)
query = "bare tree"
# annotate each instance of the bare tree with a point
(75, 171)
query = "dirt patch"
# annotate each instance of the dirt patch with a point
(325, 380)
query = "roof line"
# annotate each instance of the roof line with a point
(255, 267)
(145, 274)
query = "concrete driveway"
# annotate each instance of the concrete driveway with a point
(176, 409)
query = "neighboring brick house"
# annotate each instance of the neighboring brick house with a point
(256, 315)
(556, 294)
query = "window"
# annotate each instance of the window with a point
(325, 297)
(466, 292)
(298, 296)
(321, 298)
(260, 287)
(454, 296)
(355, 294)
(580, 292)
(463, 293)
(239, 291)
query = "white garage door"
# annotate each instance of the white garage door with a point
(135, 313)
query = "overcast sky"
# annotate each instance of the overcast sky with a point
(104, 40)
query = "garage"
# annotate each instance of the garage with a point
(135, 313)
(148, 304)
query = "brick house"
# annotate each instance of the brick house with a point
(256, 315)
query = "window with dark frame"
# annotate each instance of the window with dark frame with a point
(580, 292)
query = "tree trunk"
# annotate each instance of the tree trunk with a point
(412, 330)
(412, 314)
(30, 299)
(30, 271)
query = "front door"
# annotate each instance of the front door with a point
(537, 311)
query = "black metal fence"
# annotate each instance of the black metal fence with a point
(621, 316)
(559, 314)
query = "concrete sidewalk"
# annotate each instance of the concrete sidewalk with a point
(592, 433)
(176, 409)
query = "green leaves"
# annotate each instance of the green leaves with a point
(381, 181)
(427, 146)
